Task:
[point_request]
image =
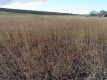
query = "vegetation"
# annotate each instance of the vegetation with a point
(32, 12)
(43, 47)
(100, 13)
(93, 13)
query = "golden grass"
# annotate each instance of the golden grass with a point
(42, 47)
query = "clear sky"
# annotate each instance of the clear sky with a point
(71, 6)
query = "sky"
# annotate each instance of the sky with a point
(65, 6)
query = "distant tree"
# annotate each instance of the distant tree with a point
(102, 13)
(93, 13)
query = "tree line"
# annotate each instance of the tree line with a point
(100, 13)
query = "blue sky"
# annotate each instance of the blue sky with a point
(70, 6)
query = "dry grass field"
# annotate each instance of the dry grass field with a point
(42, 47)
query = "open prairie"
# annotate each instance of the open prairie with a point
(52, 47)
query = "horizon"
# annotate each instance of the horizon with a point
(63, 6)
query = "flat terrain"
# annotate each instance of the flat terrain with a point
(52, 47)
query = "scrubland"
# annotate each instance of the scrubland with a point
(43, 47)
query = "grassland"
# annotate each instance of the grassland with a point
(43, 47)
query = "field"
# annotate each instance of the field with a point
(52, 47)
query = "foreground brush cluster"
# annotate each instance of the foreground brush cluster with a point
(34, 47)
